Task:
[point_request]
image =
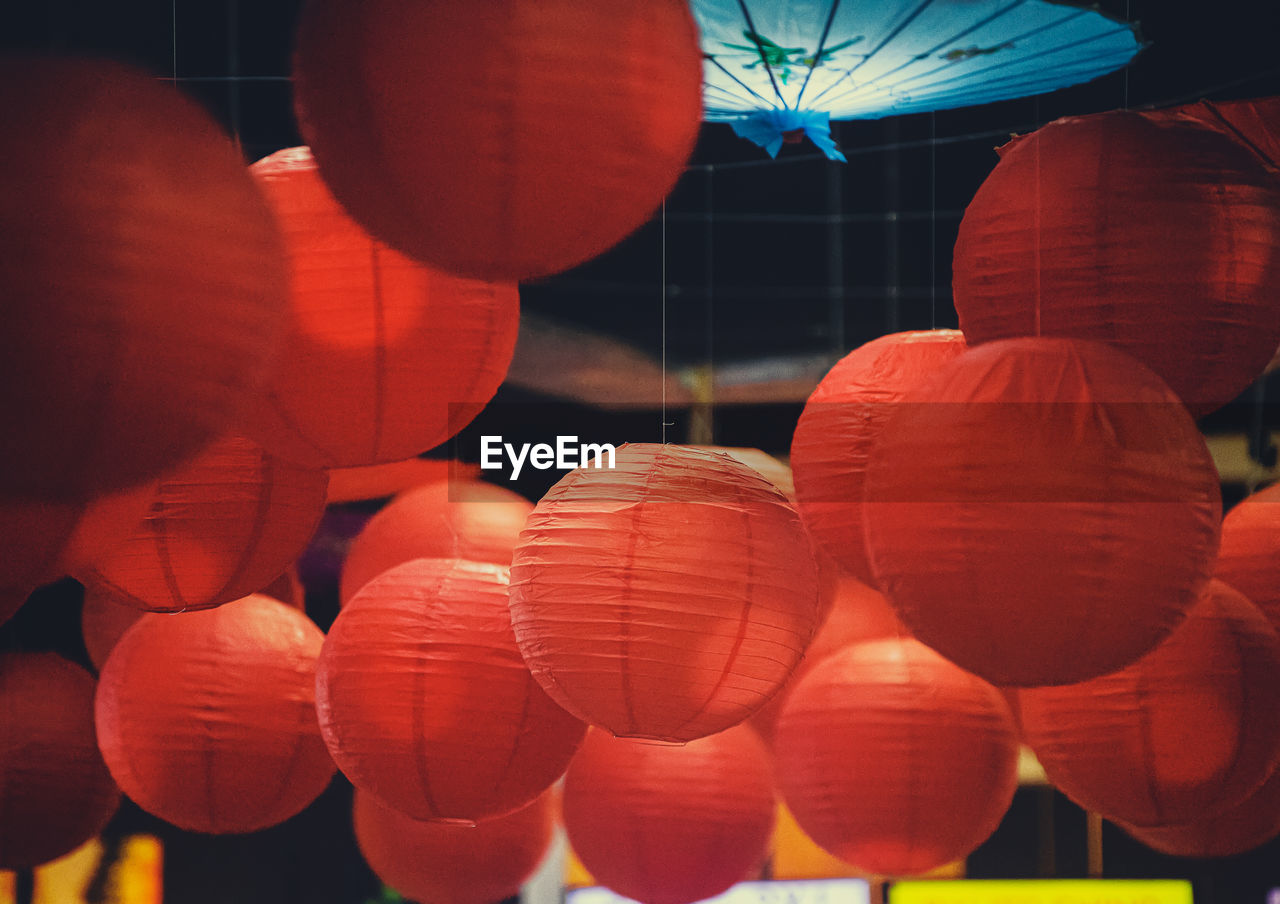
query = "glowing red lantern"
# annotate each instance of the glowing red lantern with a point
(383, 357)
(459, 864)
(55, 791)
(895, 760)
(667, 597)
(425, 701)
(207, 719)
(441, 520)
(1184, 732)
(1148, 232)
(1235, 830)
(1253, 123)
(384, 481)
(222, 527)
(666, 824)
(839, 426)
(1041, 511)
(143, 278)
(585, 127)
(1249, 558)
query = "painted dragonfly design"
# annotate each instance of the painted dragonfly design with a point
(782, 60)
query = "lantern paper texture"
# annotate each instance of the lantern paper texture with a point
(1041, 511)
(1235, 830)
(425, 702)
(895, 760)
(507, 140)
(207, 719)
(1253, 123)
(670, 824)
(1249, 558)
(55, 791)
(383, 357)
(668, 597)
(143, 279)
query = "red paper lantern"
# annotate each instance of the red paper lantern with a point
(1249, 558)
(670, 824)
(441, 520)
(895, 760)
(1148, 232)
(222, 527)
(207, 719)
(55, 791)
(384, 481)
(1233, 831)
(1041, 511)
(667, 597)
(383, 357)
(508, 140)
(1255, 123)
(425, 701)
(1184, 732)
(143, 278)
(439, 863)
(839, 426)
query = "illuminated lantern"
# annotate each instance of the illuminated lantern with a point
(384, 481)
(143, 278)
(425, 701)
(584, 127)
(55, 791)
(207, 719)
(383, 357)
(441, 520)
(670, 824)
(667, 597)
(1183, 733)
(1041, 511)
(839, 426)
(222, 527)
(1148, 232)
(1249, 558)
(1236, 830)
(440, 863)
(895, 760)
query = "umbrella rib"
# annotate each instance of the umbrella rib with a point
(817, 54)
(747, 87)
(764, 57)
(879, 47)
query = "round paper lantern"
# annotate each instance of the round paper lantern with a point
(384, 481)
(1254, 123)
(1183, 733)
(383, 357)
(667, 597)
(1041, 511)
(1249, 558)
(895, 760)
(220, 528)
(1151, 233)
(1235, 830)
(55, 791)
(143, 278)
(439, 863)
(207, 719)
(670, 824)
(425, 702)
(839, 426)
(441, 520)
(509, 141)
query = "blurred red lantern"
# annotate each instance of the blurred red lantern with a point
(1249, 558)
(441, 520)
(437, 862)
(143, 279)
(55, 791)
(1042, 511)
(207, 719)
(383, 357)
(667, 597)
(1152, 233)
(895, 760)
(839, 426)
(508, 140)
(1235, 830)
(222, 527)
(1184, 732)
(425, 701)
(384, 481)
(670, 824)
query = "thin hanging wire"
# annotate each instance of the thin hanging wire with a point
(233, 71)
(933, 221)
(174, 23)
(663, 296)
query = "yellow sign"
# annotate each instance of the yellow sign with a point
(1042, 891)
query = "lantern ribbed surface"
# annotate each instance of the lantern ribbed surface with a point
(895, 760)
(668, 824)
(1042, 511)
(1236, 830)
(1183, 733)
(425, 702)
(668, 597)
(1249, 558)
(1254, 123)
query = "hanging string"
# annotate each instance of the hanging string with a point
(933, 221)
(663, 297)
(174, 22)
(233, 70)
(1128, 17)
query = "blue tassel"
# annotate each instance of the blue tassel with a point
(770, 128)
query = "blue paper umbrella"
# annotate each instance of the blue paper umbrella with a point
(781, 69)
